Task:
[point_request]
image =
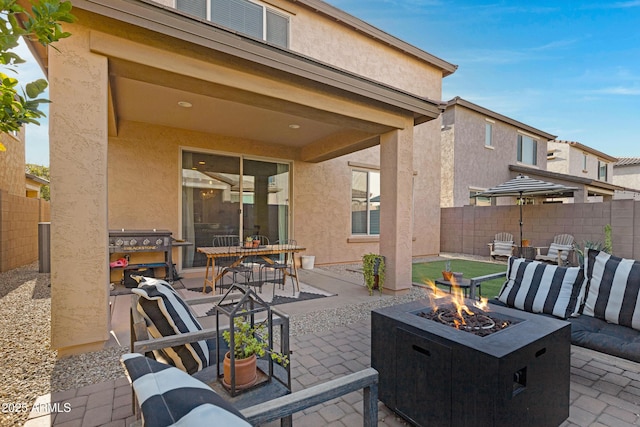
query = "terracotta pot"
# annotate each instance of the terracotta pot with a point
(246, 374)
(256, 243)
(447, 275)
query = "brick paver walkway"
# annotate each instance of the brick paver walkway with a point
(605, 391)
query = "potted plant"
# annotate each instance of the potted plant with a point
(249, 343)
(447, 274)
(373, 269)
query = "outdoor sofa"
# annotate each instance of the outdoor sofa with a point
(601, 300)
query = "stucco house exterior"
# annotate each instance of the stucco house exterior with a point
(482, 148)
(626, 173)
(299, 123)
(574, 158)
(478, 145)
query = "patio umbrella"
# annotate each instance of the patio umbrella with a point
(521, 186)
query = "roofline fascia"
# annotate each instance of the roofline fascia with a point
(586, 148)
(37, 179)
(565, 177)
(482, 110)
(171, 22)
(377, 34)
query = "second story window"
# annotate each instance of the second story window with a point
(584, 162)
(527, 150)
(602, 171)
(488, 134)
(243, 16)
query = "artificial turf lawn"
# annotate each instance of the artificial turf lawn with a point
(433, 270)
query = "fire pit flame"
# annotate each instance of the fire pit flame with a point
(453, 311)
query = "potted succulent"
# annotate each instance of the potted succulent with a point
(447, 274)
(373, 268)
(250, 342)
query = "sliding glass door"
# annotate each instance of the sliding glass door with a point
(230, 195)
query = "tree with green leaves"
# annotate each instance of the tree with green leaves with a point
(42, 24)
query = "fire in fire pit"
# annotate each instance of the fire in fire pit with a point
(474, 320)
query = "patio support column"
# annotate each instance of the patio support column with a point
(78, 82)
(396, 196)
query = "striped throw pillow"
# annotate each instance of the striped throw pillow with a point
(612, 290)
(167, 314)
(537, 287)
(168, 396)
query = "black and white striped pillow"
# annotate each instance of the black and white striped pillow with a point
(167, 314)
(168, 396)
(612, 289)
(542, 288)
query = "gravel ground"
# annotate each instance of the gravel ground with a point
(28, 366)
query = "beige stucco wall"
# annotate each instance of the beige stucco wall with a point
(12, 161)
(570, 160)
(474, 164)
(627, 176)
(78, 144)
(329, 41)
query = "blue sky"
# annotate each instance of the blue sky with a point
(568, 68)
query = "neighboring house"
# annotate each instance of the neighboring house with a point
(34, 185)
(626, 173)
(482, 148)
(478, 145)
(574, 158)
(203, 125)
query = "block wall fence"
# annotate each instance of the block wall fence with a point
(19, 218)
(468, 229)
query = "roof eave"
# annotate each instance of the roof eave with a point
(359, 25)
(168, 21)
(482, 110)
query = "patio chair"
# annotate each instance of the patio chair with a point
(559, 250)
(281, 268)
(502, 245)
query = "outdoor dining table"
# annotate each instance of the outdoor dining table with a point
(242, 253)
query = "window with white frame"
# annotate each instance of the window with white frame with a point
(365, 202)
(602, 171)
(488, 134)
(584, 162)
(527, 150)
(244, 16)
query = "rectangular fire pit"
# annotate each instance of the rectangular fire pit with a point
(435, 375)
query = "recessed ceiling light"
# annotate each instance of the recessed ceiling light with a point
(294, 126)
(185, 104)
(202, 162)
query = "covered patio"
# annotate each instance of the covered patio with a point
(142, 95)
(604, 390)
